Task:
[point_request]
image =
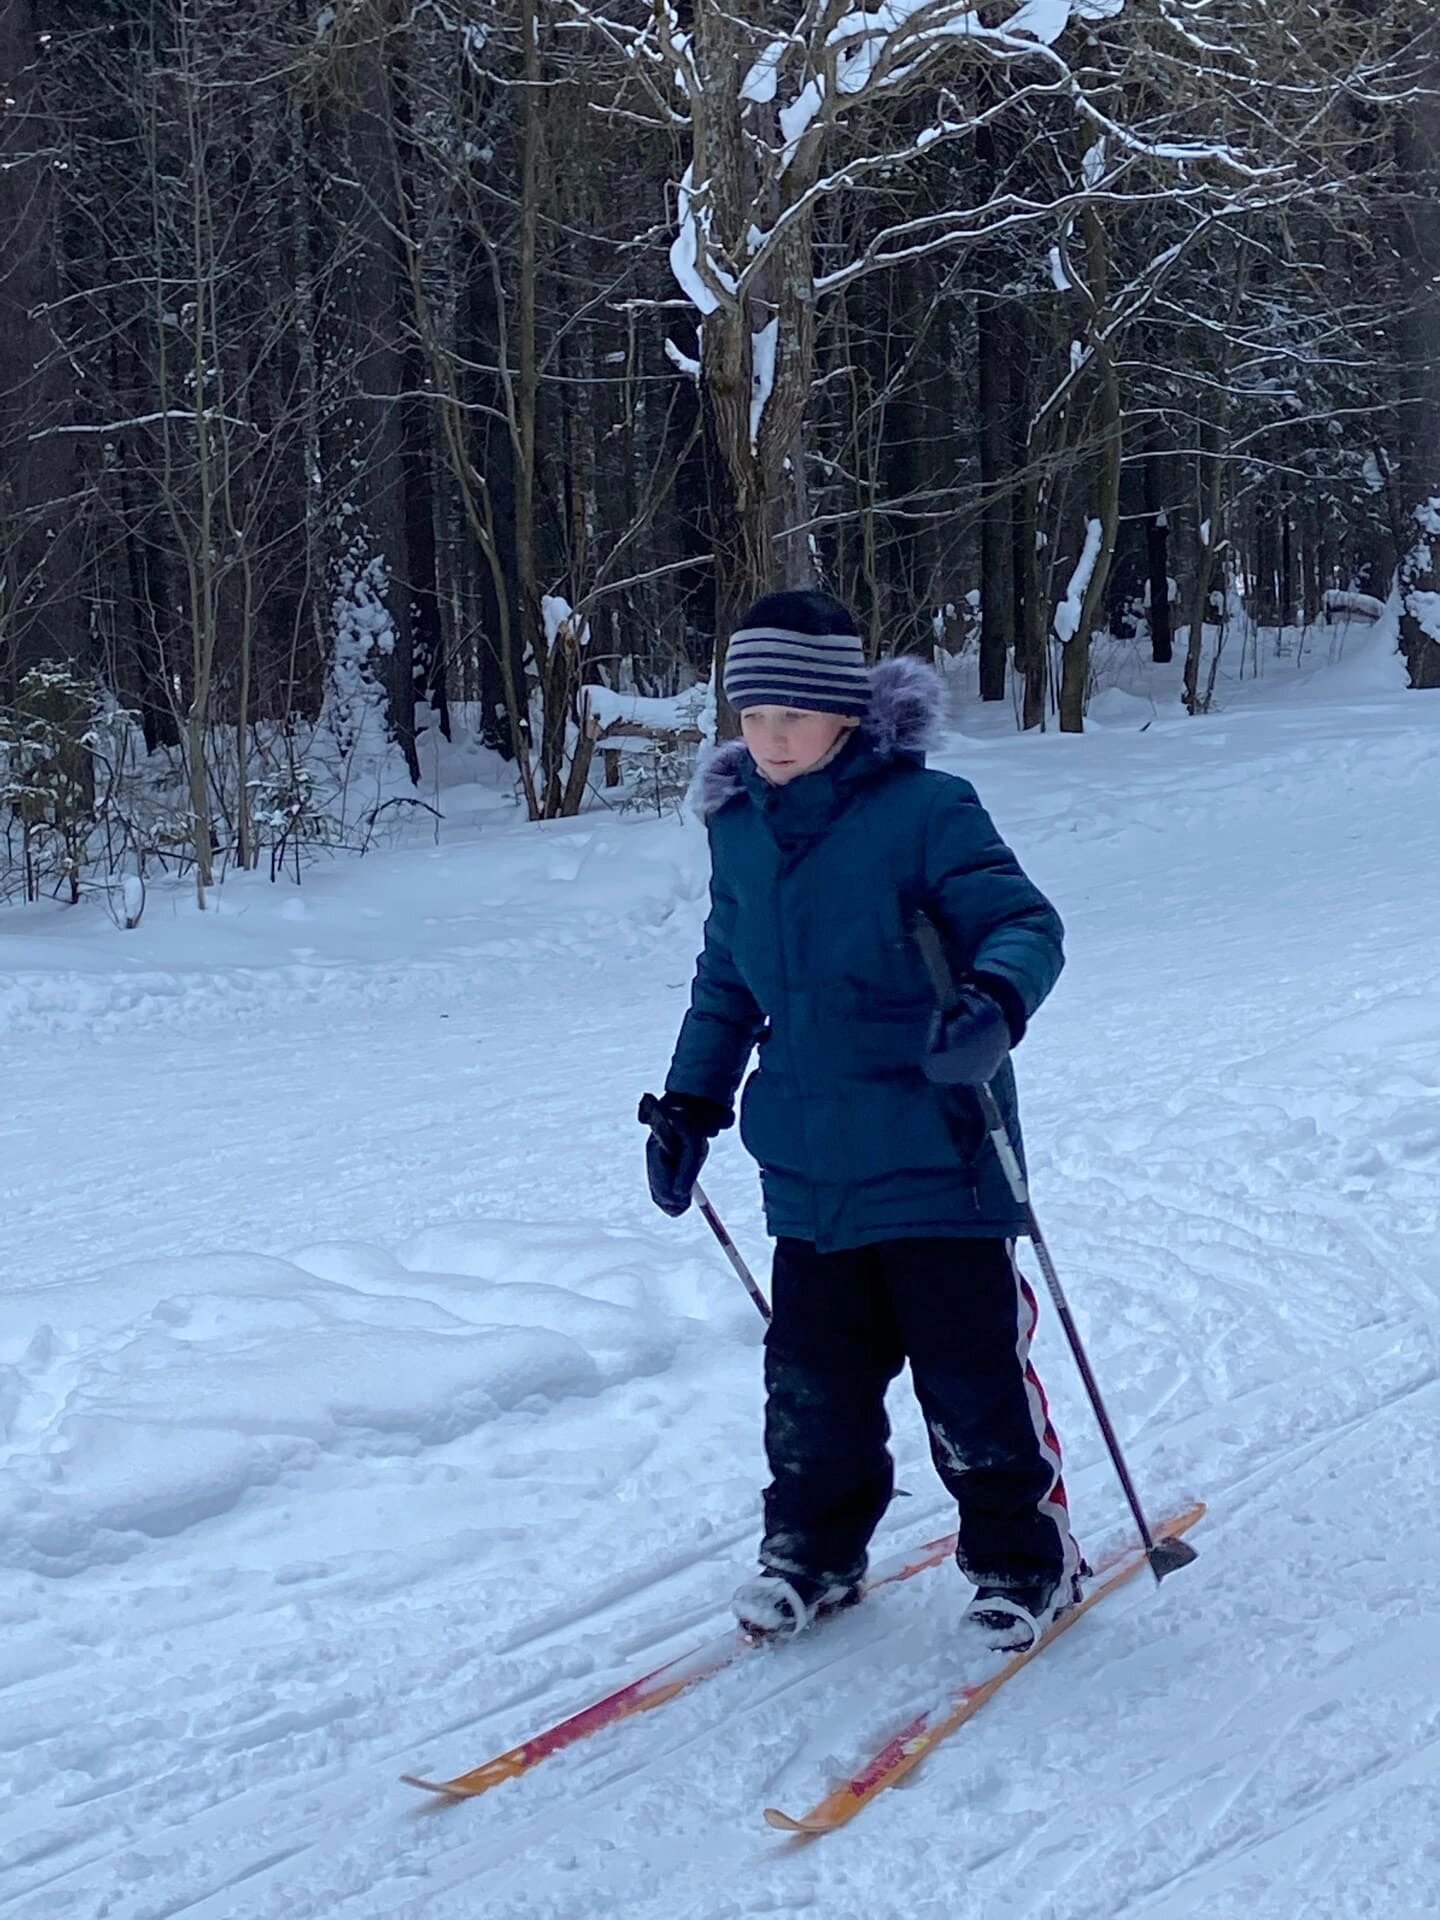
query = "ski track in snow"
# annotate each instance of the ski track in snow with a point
(357, 1414)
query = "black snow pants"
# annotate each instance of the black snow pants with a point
(844, 1324)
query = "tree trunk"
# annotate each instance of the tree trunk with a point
(422, 584)
(1075, 670)
(40, 473)
(754, 436)
(1287, 566)
(523, 413)
(1208, 541)
(757, 485)
(998, 631)
(1418, 251)
(1027, 493)
(1034, 600)
(1003, 404)
(1157, 554)
(367, 319)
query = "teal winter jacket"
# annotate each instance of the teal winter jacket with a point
(810, 955)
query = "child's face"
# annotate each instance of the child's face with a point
(788, 741)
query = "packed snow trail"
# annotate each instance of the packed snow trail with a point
(358, 1415)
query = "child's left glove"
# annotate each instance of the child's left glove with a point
(968, 1045)
(682, 1125)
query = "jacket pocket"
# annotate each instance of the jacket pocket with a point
(771, 1126)
(965, 1122)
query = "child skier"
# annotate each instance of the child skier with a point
(892, 1217)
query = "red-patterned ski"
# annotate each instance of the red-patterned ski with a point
(639, 1696)
(924, 1733)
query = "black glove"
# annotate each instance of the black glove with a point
(682, 1125)
(968, 1045)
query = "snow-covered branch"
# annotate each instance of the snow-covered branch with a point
(186, 415)
(1067, 614)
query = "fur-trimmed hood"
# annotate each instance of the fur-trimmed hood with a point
(905, 716)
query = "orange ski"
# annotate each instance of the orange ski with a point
(910, 1746)
(639, 1696)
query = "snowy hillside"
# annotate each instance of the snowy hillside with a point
(359, 1415)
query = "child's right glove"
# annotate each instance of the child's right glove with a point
(682, 1125)
(968, 1044)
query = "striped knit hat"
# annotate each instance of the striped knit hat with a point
(797, 650)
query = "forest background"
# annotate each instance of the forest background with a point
(399, 363)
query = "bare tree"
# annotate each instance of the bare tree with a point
(1417, 185)
(40, 481)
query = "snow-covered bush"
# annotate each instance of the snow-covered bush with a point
(286, 810)
(659, 778)
(47, 781)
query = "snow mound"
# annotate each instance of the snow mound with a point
(157, 1396)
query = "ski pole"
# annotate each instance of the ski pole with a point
(1164, 1556)
(652, 1115)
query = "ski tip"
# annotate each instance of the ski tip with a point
(446, 1789)
(787, 1823)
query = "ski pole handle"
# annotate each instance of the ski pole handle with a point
(947, 997)
(653, 1115)
(937, 964)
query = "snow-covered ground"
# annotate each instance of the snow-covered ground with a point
(359, 1415)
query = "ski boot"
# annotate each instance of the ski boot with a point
(1013, 1616)
(776, 1606)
